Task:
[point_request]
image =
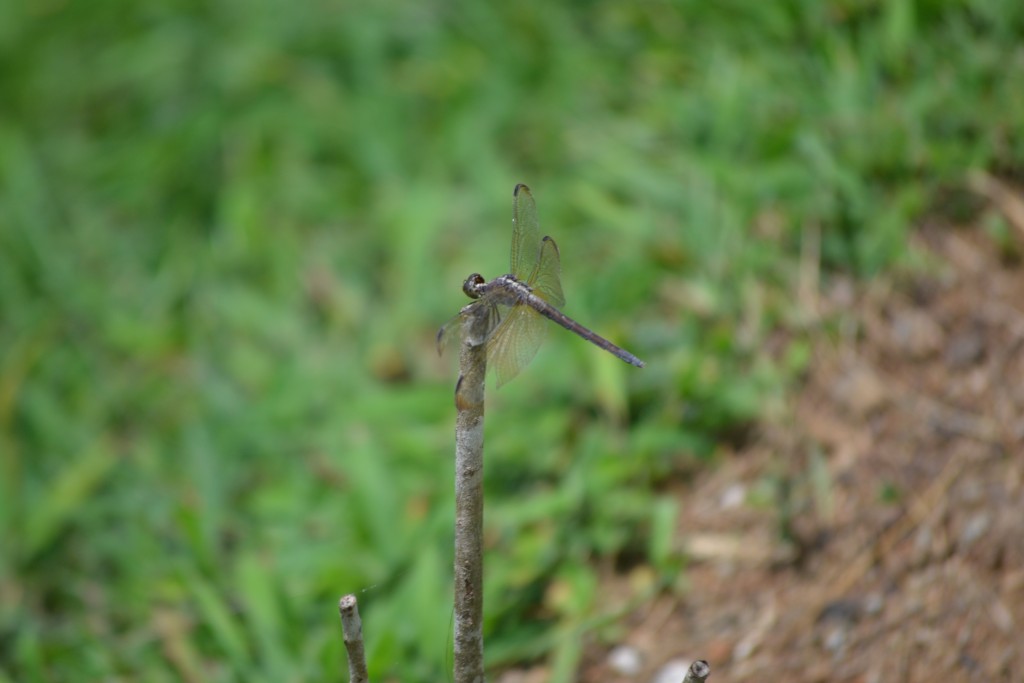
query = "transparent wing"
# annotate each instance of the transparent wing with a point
(451, 330)
(546, 280)
(515, 342)
(525, 233)
(447, 333)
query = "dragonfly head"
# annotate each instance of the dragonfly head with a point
(471, 286)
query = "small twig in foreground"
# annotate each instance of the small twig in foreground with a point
(698, 673)
(352, 627)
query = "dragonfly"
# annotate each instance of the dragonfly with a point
(516, 304)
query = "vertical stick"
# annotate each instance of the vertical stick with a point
(352, 627)
(469, 499)
(698, 672)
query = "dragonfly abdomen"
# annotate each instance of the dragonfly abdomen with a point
(555, 315)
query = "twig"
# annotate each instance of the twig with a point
(352, 627)
(469, 499)
(698, 673)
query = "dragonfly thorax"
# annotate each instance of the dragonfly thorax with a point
(506, 290)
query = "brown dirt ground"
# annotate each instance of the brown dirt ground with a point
(878, 534)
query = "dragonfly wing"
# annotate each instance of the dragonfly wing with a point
(451, 331)
(515, 342)
(448, 332)
(525, 233)
(546, 280)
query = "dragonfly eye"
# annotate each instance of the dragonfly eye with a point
(471, 287)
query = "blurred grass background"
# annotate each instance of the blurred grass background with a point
(229, 231)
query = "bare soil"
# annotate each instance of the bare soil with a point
(877, 532)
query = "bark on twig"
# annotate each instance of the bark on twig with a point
(352, 627)
(469, 501)
(698, 673)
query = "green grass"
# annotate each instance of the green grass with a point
(229, 231)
